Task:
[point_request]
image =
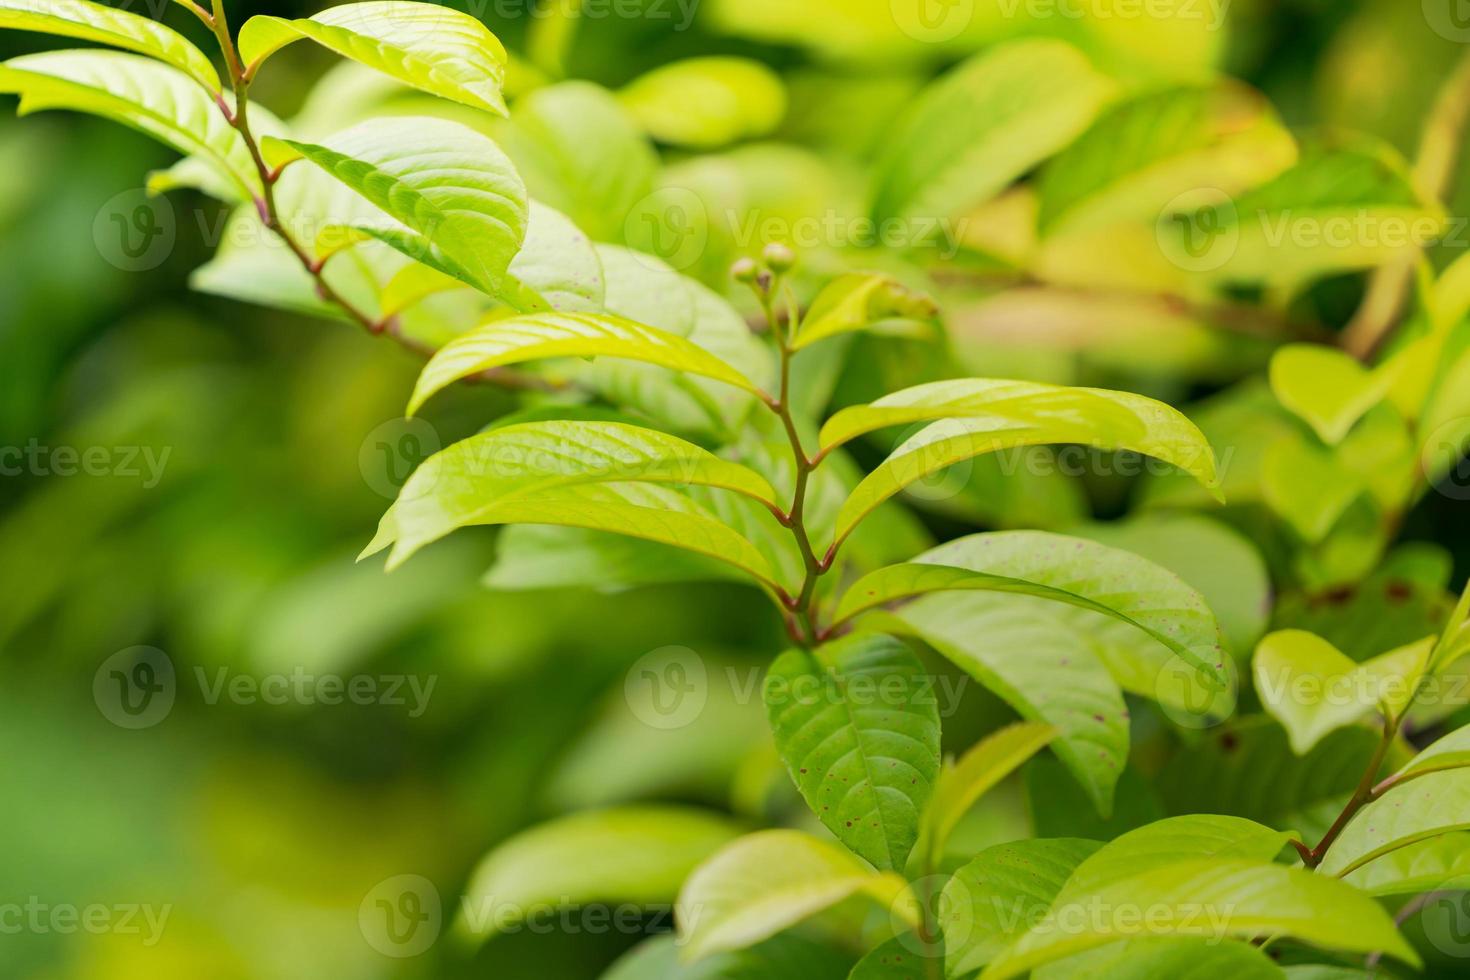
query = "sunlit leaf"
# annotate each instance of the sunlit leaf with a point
(860, 301)
(1326, 387)
(706, 103)
(1166, 956)
(1432, 805)
(785, 957)
(437, 49)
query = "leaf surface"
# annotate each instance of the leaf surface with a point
(108, 25)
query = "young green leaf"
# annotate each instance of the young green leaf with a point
(637, 854)
(859, 301)
(1435, 864)
(858, 728)
(1069, 570)
(985, 124)
(992, 759)
(519, 474)
(108, 25)
(1450, 752)
(1313, 689)
(1044, 669)
(541, 336)
(430, 47)
(1328, 389)
(993, 900)
(444, 181)
(1432, 805)
(769, 881)
(705, 103)
(139, 92)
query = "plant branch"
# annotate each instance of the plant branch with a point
(238, 117)
(1361, 797)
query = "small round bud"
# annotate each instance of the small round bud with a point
(779, 257)
(744, 270)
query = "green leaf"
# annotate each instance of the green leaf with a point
(1450, 752)
(1081, 573)
(580, 153)
(993, 900)
(436, 49)
(1204, 876)
(989, 761)
(549, 335)
(785, 957)
(1144, 152)
(706, 103)
(638, 855)
(139, 92)
(859, 733)
(1341, 208)
(1436, 864)
(1041, 669)
(769, 881)
(444, 181)
(593, 470)
(983, 125)
(559, 265)
(1327, 388)
(1432, 805)
(107, 25)
(983, 416)
(860, 301)
(1313, 688)
(1165, 956)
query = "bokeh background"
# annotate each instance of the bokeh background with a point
(248, 455)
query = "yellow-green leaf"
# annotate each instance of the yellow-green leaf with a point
(706, 103)
(860, 301)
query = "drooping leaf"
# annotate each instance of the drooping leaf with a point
(983, 125)
(993, 900)
(444, 181)
(437, 49)
(706, 103)
(1166, 956)
(769, 881)
(1204, 876)
(1039, 668)
(109, 25)
(1313, 689)
(139, 92)
(979, 416)
(992, 759)
(632, 854)
(1069, 570)
(1432, 805)
(858, 728)
(580, 153)
(600, 474)
(785, 957)
(1142, 153)
(859, 301)
(538, 337)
